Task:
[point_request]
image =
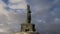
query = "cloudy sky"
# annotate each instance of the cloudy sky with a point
(45, 15)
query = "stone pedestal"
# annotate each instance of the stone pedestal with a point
(25, 33)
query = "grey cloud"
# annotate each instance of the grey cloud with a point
(42, 12)
(40, 9)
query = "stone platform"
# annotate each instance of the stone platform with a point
(25, 33)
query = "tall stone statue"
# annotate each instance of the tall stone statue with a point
(28, 14)
(27, 28)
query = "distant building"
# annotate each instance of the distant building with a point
(27, 28)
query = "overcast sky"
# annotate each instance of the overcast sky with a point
(45, 15)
